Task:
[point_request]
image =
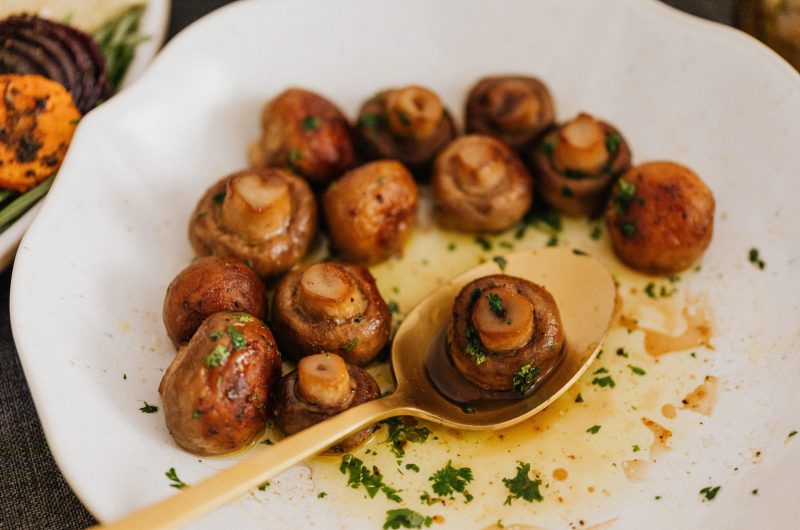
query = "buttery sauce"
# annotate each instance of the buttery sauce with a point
(587, 478)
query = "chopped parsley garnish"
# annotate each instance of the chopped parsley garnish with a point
(521, 486)
(216, 335)
(624, 196)
(622, 353)
(321, 495)
(219, 197)
(263, 486)
(237, 338)
(628, 228)
(575, 174)
(710, 492)
(466, 409)
(525, 378)
(496, 304)
(245, 318)
(637, 370)
(196, 414)
(579, 398)
(405, 119)
(649, 290)
(413, 467)
(372, 481)
(405, 518)
(596, 233)
(793, 433)
(148, 409)
(295, 155)
(310, 123)
(600, 371)
(636, 448)
(594, 429)
(268, 442)
(394, 307)
(579, 252)
(217, 357)
(603, 382)
(400, 434)
(474, 348)
(451, 247)
(352, 344)
(613, 140)
(372, 121)
(755, 259)
(176, 483)
(547, 146)
(501, 262)
(484, 243)
(450, 480)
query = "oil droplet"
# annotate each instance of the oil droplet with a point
(703, 398)
(560, 474)
(697, 333)
(668, 411)
(661, 438)
(636, 469)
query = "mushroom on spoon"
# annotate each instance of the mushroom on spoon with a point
(585, 293)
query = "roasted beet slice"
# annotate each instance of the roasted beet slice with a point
(29, 44)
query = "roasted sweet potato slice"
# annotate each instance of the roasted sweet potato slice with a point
(37, 121)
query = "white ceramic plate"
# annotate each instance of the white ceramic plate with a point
(154, 23)
(91, 272)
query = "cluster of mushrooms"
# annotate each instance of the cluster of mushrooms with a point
(252, 229)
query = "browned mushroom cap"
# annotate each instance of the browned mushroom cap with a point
(512, 108)
(334, 307)
(306, 132)
(266, 217)
(479, 185)
(209, 285)
(409, 124)
(660, 217)
(217, 392)
(324, 385)
(505, 333)
(577, 163)
(370, 211)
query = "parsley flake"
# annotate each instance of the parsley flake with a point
(148, 409)
(219, 198)
(350, 345)
(496, 304)
(501, 262)
(579, 398)
(710, 492)
(310, 123)
(360, 475)
(176, 483)
(484, 243)
(405, 518)
(637, 370)
(755, 259)
(399, 434)
(594, 429)
(521, 486)
(628, 229)
(217, 357)
(450, 480)
(263, 486)
(603, 382)
(525, 378)
(237, 338)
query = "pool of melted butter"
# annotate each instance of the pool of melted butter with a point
(656, 353)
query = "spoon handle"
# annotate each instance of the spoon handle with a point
(265, 462)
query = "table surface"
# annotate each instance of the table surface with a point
(33, 493)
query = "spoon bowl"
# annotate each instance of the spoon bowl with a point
(585, 294)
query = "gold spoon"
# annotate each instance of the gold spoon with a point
(585, 294)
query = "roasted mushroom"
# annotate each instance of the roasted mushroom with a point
(334, 307)
(660, 217)
(479, 185)
(577, 163)
(209, 285)
(303, 131)
(505, 333)
(370, 211)
(266, 217)
(513, 108)
(324, 385)
(217, 392)
(409, 124)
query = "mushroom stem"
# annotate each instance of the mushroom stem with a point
(414, 112)
(323, 379)
(581, 145)
(256, 206)
(479, 167)
(326, 291)
(503, 319)
(512, 105)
